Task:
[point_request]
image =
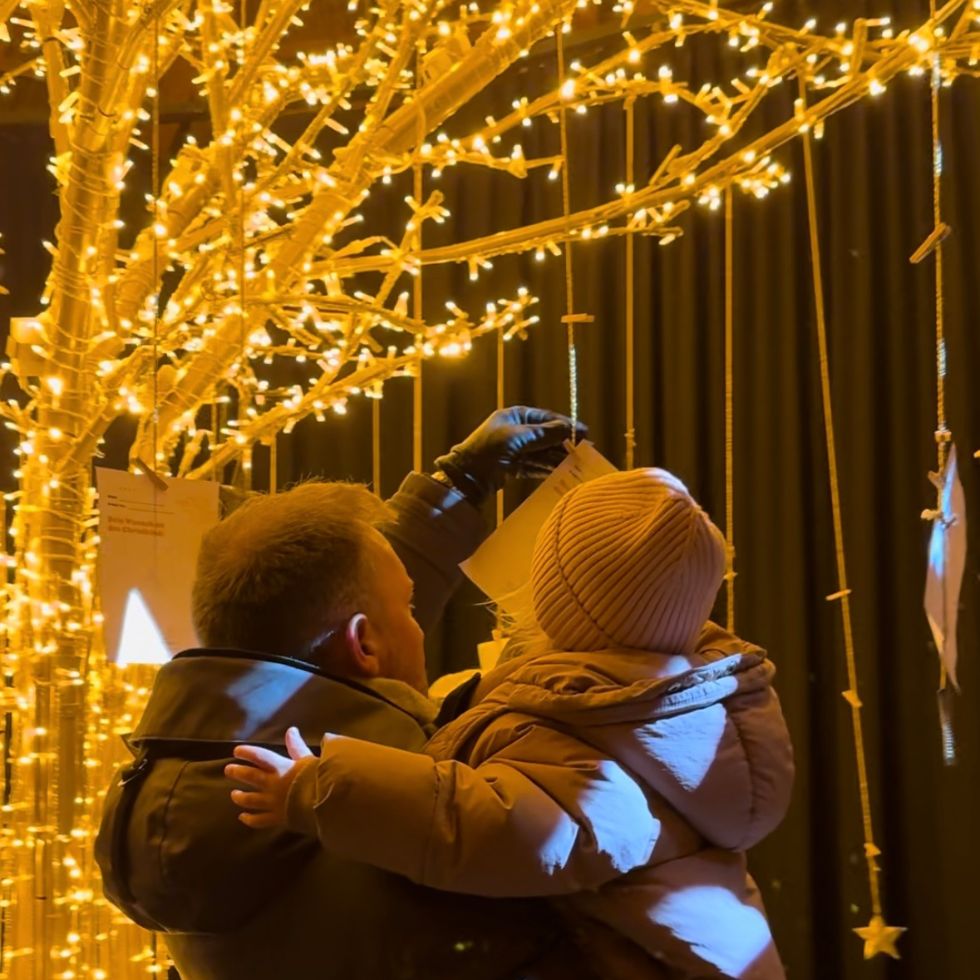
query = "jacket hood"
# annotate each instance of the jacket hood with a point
(704, 731)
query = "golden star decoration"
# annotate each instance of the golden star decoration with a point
(880, 938)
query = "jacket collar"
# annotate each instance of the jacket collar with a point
(209, 695)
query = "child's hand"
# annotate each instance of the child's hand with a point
(270, 775)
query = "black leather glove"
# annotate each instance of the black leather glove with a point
(519, 441)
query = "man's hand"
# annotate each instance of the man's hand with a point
(270, 777)
(520, 441)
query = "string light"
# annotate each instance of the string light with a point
(247, 256)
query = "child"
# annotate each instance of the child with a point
(626, 768)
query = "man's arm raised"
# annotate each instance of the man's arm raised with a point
(438, 523)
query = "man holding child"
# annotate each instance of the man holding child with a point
(571, 774)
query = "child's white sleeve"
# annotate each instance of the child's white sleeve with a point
(513, 826)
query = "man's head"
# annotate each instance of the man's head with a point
(307, 574)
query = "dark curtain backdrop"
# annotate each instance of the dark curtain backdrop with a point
(873, 187)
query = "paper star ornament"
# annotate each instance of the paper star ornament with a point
(880, 938)
(947, 560)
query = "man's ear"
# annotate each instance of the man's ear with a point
(360, 647)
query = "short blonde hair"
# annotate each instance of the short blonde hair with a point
(282, 569)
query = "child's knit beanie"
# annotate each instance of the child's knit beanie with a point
(627, 560)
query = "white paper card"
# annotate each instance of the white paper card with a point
(502, 564)
(149, 540)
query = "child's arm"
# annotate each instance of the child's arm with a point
(513, 826)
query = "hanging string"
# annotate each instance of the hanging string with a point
(7, 868)
(215, 428)
(942, 433)
(417, 189)
(630, 301)
(843, 595)
(154, 462)
(730, 408)
(376, 445)
(500, 405)
(242, 302)
(569, 319)
(274, 462)
(243, 363)
(499, 613)
(155, 191)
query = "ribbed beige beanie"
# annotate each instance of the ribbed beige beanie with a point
(627, 560)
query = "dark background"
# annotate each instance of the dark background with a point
(874, 193)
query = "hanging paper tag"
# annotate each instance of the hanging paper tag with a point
(502, 564)
(149, 538)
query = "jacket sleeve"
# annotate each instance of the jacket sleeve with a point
(514, 826)
(435, 528)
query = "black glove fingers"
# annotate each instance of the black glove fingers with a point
(520, 439)
(535, 471)
(546, 434)
(550, 457)
(539, 416)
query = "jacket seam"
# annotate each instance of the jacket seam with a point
(433, 817)
(164, 873)
(733, 716)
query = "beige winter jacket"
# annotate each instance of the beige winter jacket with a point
(631, 781)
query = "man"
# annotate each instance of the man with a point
(300, 603)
